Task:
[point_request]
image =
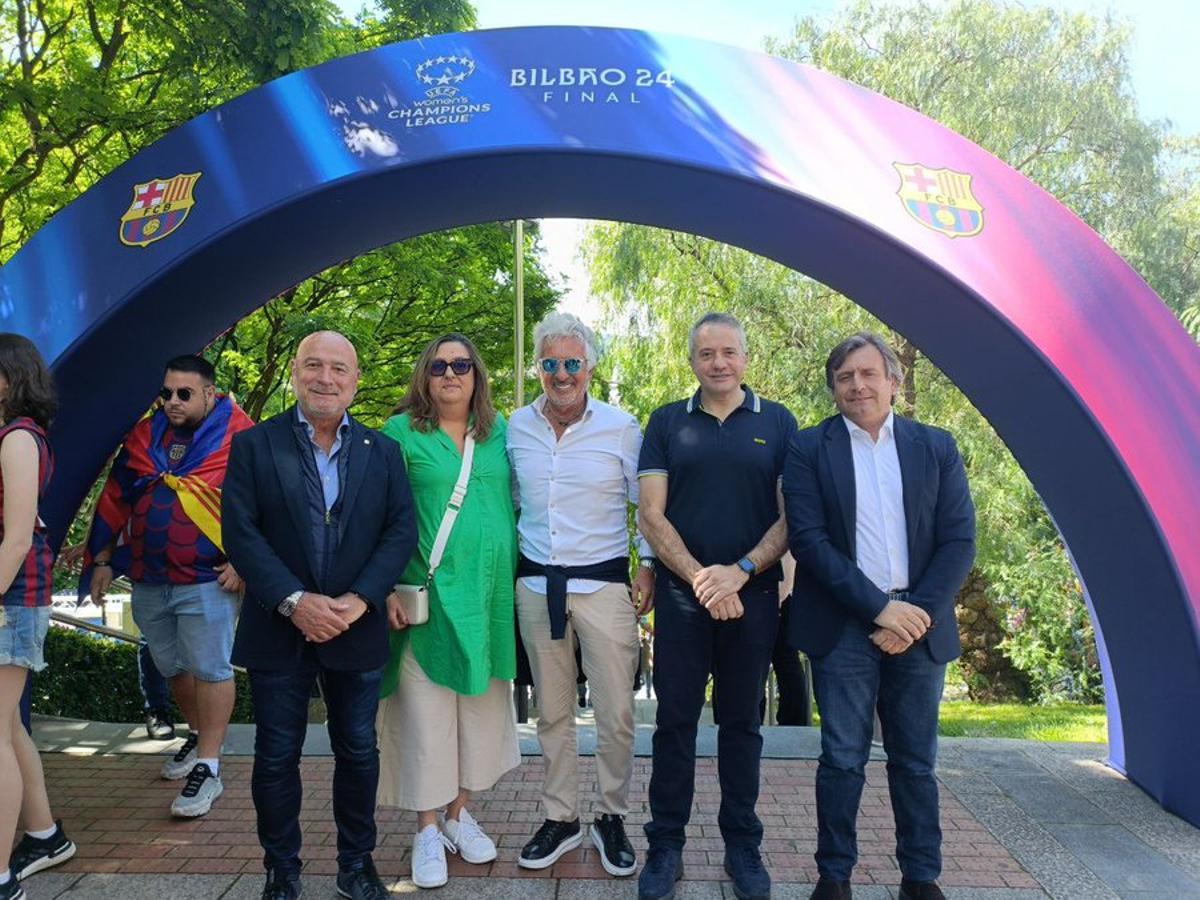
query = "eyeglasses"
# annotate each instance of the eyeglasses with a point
(572, 366)
(460, 366)
(185, 394)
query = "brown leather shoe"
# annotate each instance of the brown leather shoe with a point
(828, 889)
(920, 890)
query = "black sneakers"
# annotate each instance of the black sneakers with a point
(920, 890)
(362, 883)
(281, 886)
(750, 879)
(828, 889)
(33, 855)
(663, 868)
(616, 853)
(12, 890)
(550, 842)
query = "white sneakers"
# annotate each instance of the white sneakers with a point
(468, 840)
(429, 858)
(463, 837)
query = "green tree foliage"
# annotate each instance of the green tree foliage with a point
(1048, 92)
(96, 678)
(390, 303)
(86, 84)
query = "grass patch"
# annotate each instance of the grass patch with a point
(1052, 722)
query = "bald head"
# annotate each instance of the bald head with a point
(325, 376)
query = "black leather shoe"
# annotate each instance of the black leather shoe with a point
(362, 883)
(920, 890)
(281, 886)
(750, 879)
(550, 842)
(828, 889)
(664, 867)
(616, 853)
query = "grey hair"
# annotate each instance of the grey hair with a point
(566, 325)
(715, 318)
(857, 341)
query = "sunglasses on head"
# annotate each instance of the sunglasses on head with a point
(572, 366)
(185, 394)
(460, 366)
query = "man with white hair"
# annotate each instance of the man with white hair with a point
(574, 461)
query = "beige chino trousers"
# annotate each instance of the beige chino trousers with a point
(606, 625)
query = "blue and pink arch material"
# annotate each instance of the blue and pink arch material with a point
(1076, 363)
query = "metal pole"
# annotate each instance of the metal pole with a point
(519, 311)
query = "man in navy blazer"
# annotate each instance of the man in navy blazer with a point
(318, 514)
(881, 525)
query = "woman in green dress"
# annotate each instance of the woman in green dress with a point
(446, 723)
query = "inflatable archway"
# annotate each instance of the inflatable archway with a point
(1074, 360)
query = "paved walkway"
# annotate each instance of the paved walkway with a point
(1021, 819)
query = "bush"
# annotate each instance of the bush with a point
(96, 678)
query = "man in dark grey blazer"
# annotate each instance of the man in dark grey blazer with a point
(318, 514)
(881, 525)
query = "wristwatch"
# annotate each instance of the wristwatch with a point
(746, 566)
(288, 604)
(647, 562)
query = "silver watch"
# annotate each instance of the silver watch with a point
(647, 562)
(288, 604)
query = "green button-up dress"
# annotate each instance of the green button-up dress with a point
(469, 637)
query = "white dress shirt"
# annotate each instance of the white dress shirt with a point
(574, 492)
(880, 533)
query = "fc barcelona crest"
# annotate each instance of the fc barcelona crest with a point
(159, 207)
(940, 199)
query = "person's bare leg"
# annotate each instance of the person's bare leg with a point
(458, 804)
(12, 685)
(35, 804)
(183, 689)
(214, 705)
(425, 818)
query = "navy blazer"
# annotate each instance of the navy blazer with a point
(830, 590)
(267, 532)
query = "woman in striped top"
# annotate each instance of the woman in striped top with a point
(27, 405)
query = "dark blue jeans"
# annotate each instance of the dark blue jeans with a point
(689, 644)
(281, 720)
(155, 694)
(850, 682)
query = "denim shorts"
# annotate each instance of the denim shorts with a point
(189, 627)
(23, 636)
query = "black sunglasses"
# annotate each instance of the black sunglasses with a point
(185, 394)
(460, 366)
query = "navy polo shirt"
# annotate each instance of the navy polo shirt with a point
(721, 476)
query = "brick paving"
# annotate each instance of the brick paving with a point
(116, 809)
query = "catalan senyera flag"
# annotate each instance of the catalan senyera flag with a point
(142, 462)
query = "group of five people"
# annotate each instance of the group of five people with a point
(524, 523)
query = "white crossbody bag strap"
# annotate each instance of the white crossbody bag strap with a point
(457, 496)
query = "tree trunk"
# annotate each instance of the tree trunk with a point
(990, 675)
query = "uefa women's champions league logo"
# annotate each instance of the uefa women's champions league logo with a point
(445, 103)
(443, 74)
(158, 208)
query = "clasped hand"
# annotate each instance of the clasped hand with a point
(323, 618)
(716, 588)
(900, 624)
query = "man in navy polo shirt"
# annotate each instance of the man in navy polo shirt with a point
(712, 512)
